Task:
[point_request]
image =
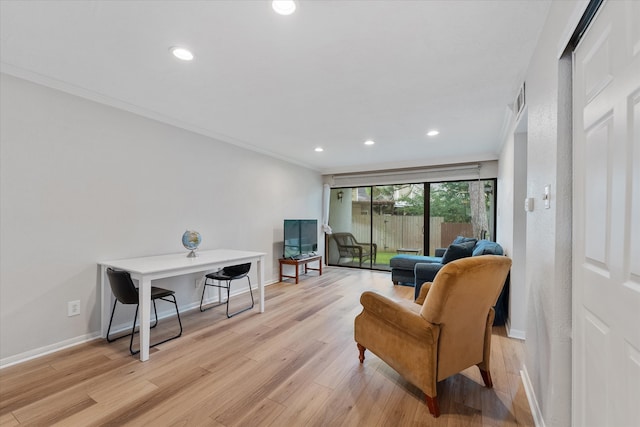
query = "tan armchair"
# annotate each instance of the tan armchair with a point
(348, 247)
(446, 330)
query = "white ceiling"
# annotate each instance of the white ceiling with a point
(333, 74)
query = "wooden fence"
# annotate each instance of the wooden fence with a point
(393, 232)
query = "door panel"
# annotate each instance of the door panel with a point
(606, 216)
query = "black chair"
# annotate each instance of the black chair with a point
(126, 293)
(227, 274)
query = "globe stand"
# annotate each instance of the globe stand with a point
(192, 254)
(191, 239)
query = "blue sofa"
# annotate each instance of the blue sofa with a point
(416, 270)
(426, 271)
(403, 267)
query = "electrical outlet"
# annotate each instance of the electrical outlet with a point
(73, 308)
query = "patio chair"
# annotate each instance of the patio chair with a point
(349, 247)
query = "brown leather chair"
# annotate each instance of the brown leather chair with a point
(349, 247)
(445, 331)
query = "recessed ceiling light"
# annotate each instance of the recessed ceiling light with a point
(181, 53)
(369, 142)
(319, 149)
(284, 7)
(433, 133)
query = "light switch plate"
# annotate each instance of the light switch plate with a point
(547, 197)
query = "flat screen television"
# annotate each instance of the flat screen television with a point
(300, 237)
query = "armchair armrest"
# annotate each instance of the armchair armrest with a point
(368, 245)
(351, 248)
(424, 290)
(399, 316)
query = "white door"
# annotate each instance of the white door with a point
(606, 219)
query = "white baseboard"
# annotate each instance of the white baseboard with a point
(531, 397)
(514, 333)
(42, 351)
(52, 348)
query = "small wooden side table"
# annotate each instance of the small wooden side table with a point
(298, 263)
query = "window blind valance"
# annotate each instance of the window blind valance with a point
(467, 171)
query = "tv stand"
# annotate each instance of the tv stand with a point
(297, 263)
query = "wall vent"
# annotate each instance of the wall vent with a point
(520, 102)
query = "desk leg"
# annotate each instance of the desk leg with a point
(144, 294)
(260, 267)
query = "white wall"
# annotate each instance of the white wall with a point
(83, 182)
(548, 231)
(511, 225)
(519, 290)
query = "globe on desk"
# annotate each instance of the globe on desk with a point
(191, 239)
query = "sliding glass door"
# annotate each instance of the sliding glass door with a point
(382, 220)
(460, 208)
(374, 223)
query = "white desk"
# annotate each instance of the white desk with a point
(146, 269)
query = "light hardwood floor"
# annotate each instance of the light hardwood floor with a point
(294, 365)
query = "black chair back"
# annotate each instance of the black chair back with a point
(122, 286)
(237, 271)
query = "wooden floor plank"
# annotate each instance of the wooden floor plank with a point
(296, 364)
(8, 420)
(302, 407)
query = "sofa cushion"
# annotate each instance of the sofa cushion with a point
(458, 250)
(407, 262)
(462, 239)
(486, 247)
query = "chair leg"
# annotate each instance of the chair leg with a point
(155, 310)
(203, 291)
(133, 331)
(486, 377)
(244, 309)
(228, 295)
(174, 302)
(204, 288)
(109, 339)
(110, 321)
(432, 404)
(361, 349)
(135, 318)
